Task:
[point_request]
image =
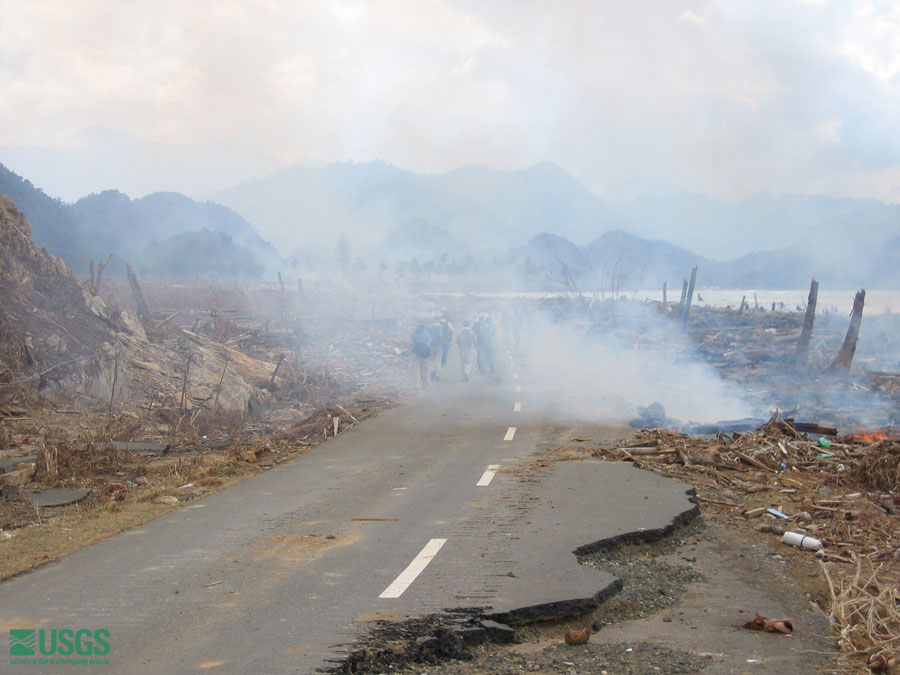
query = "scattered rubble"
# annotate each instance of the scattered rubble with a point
(842, 491)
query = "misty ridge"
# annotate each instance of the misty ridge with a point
(472, 228)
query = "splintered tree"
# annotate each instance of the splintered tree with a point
(808, 321)
(94, 282)
(848, 349)
(688, 296)
(142, 310)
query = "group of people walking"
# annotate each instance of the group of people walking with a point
(431, 343)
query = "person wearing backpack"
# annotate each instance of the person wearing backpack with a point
(446, 339)
(465, 341)
(421, 349)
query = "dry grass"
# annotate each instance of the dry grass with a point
(75, 528)
(864, 607)
(879, 468)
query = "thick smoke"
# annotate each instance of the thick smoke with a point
(607, 374)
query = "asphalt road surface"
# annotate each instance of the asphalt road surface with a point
(433, 505)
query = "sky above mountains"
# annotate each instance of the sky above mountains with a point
(727, 98)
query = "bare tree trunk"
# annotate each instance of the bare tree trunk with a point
(112, 393)
(684, 287)
(665, 299)
(184, 381)
(143, 312)
(848, 349)
(690, 296)
(808, 321)
(275, 372)
(100, 268)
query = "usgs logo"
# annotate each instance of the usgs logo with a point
(58, 642)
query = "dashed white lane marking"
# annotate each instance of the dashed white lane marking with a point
(487, 476)
(518, 388)
(510, 433)
(517, 407)
(414, 569)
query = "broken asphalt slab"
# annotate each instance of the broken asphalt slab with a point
(583, 506)
(57, 496)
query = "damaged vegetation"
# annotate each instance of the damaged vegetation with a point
(121, 400)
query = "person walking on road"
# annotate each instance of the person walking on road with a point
(421, 348)
(465, 341)
(436, 348)
(484, 343)
(446, 339)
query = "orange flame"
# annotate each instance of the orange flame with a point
(869, 435)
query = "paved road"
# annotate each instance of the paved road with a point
(278, 573)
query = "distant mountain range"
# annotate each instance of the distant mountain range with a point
(537, 226)
(487, 209)
(164, 234)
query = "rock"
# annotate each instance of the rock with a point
(21, 475)
(445, 644)
(577, 637)
(134, 325)
(498, 632)
(472, 635)
(10, 493)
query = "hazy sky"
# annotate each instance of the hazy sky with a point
(719, 97)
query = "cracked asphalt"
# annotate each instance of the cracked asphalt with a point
(438, 504)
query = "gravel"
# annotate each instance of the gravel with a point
(618, 659)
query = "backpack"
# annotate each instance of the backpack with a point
(435, 334)
(422, 343)
(465, 339)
